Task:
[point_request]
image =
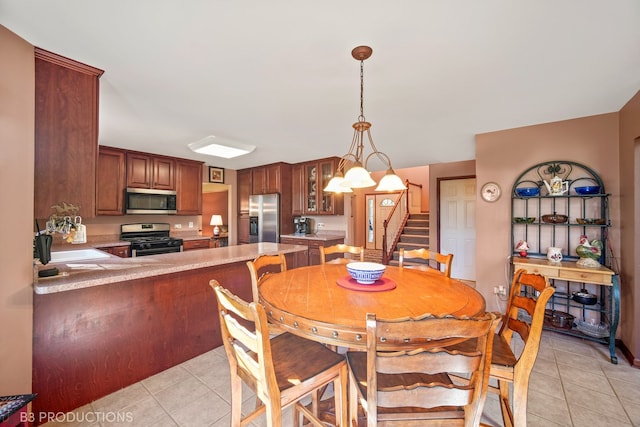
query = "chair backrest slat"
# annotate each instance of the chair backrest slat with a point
(260, 267)
(425, 383)
(341, 249)
(426, 258)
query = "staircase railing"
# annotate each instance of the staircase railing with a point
(396, 220)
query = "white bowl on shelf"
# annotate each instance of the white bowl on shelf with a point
(365, 273)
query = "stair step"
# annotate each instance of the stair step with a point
(416, 240)
(412, 245)
(416, 230)
(417, 223)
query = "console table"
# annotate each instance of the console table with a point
(606, 279)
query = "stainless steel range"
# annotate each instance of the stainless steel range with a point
(150, 239)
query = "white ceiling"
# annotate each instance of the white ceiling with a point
(279, 74)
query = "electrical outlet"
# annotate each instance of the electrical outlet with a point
(178, 226)
(320, 225)
(499, 290)
(190, 224)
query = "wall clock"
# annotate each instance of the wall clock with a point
(490, 192)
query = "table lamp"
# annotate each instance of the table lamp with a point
(216, 221)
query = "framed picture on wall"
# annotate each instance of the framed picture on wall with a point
(216, 175)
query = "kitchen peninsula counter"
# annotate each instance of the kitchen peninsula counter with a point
(113, 322)
(96, 272)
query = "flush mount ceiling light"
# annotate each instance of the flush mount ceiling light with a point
(357, 175)
(214, 146)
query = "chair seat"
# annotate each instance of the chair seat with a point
(502, 354)
(297, 359)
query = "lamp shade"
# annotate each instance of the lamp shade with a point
(391, 182)
(216, 221)
(358, 177)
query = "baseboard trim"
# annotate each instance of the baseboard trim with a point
(627, 354)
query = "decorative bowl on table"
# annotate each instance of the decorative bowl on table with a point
(527, 191)
(554, 218)
(523, 220)
(588, 189)
(365, 273)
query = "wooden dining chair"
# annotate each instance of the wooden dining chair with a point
(341, 249)
(423, 258)
(413, 387)
(506, 367)
(263, 265)
(280, 370)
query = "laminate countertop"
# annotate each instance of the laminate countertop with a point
(111, 269)
(322, 237)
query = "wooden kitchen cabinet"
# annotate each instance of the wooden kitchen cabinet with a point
(188, 187)
(66, 134)
(317, 175)
(313, 252)
(204, 243)
(243, 178)
(123, 251)
(297, 190)
(110, 181)
(272, 178)
(146, 170)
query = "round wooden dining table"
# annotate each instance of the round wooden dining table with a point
(309, 301)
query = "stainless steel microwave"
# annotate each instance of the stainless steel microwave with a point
(149, 201)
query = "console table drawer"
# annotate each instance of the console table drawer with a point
(584, 276)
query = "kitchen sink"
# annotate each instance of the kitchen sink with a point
(78, 255)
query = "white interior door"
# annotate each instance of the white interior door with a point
(458, 225)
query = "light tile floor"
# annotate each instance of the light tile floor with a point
(573, 383)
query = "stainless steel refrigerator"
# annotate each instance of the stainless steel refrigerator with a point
(264, 218)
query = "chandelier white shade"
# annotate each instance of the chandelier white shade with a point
(357, 175)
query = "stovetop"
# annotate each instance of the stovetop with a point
(156, 234)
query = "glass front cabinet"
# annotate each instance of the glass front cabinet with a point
(317, 202)
(560, 218)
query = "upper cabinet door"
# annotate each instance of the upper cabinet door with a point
(310, 186)
(149, 171)
(66, 134)
(189, 187)
(110, 181)
(139, 170)
(164, 173)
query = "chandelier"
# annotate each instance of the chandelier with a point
(357, 176)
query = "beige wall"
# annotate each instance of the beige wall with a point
(501, 156)
(17, 104)
(630, 223)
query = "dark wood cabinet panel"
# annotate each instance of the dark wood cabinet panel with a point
(150, 171)
(189, 245)
(139, 173)
(66, 133)
(244, 190)
(110, 181)
(164, 173)
(259, 181)
(188, 187)
(243, 229)
(297, 190)
(313, 252)
(94, 341)
(123, 251)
